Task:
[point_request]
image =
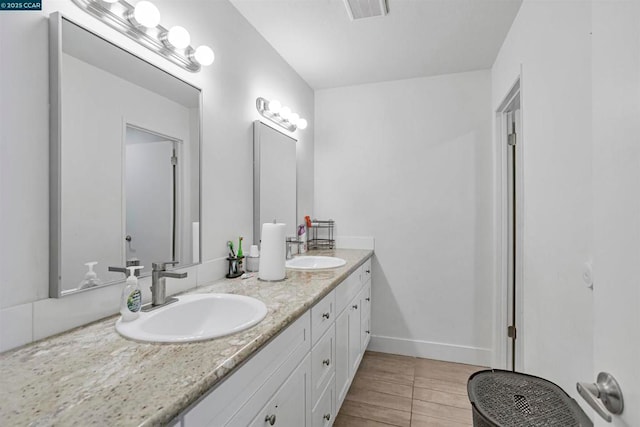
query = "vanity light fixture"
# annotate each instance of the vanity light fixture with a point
(142, 24)
(282, 116)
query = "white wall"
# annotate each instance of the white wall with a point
(550, 41)
(246, 67)
(410, 163)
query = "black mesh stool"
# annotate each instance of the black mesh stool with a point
(510, 399)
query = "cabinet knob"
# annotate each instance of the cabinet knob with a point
(368, 299)
(326, 362)
(355, 306)
(368, 271)
(326, 315)
(327, 417)
(368, 332)
(271, 419)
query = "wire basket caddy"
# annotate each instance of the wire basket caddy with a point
(321, 234)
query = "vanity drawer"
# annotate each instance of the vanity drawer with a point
(365, 271)
(324, 412)
(322, 316)
(322, 363)
(347, 290)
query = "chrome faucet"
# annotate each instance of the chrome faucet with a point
(290, 242)
(124, 270)
(159, 286)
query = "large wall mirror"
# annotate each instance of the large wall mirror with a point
(274, 179)
(125, 162)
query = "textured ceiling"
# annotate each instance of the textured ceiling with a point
(417, 38)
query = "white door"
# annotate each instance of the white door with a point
(616, 172)
(511, 191)
(150, 194)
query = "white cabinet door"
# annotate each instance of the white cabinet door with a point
(324, 412)
(342, 357)
(354, 309)
(323, 363)
(365, 317)
(291, 405)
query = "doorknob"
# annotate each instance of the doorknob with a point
(604, 396)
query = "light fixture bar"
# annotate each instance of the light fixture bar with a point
(262, 105)
(116, 15)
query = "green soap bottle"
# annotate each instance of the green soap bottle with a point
(240, 254)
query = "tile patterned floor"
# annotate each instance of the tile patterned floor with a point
(392, 390)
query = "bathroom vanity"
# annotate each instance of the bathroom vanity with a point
(301, 378)
(293, 368)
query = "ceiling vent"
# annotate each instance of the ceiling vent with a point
(360, 9)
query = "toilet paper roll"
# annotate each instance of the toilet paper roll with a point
(272, 252)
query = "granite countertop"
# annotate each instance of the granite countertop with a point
(92, 375)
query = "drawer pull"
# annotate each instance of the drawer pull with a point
(271, 419)
(327, 417)
(355, 306)
(367, 271)
(326, 362)
(368, 299)
(326, 315)
(368, 332)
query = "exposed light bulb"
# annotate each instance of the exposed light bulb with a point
(204, 55)
(285, 113)
(178, 37)
(274, 106)
(146, 14)
(293, 118)
(302, 124)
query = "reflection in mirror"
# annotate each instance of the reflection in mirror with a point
(274, 179)
(152, 189)
(125, 147)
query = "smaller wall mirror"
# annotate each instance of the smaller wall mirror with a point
(125, 162)
(274, 179)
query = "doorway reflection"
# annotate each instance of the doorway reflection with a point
(151, 190)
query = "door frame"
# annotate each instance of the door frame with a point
(500, 359)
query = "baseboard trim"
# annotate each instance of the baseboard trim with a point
(432, 350)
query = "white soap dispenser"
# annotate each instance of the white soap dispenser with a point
(131, 296)
(91, 278)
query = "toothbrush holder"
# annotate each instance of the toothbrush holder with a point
(235, 267)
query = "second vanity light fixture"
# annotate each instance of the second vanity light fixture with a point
(282, 116)
(142, 24)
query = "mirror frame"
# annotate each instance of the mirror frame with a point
(55, 142)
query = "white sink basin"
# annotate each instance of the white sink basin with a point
(195, 317)
(314, 262)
